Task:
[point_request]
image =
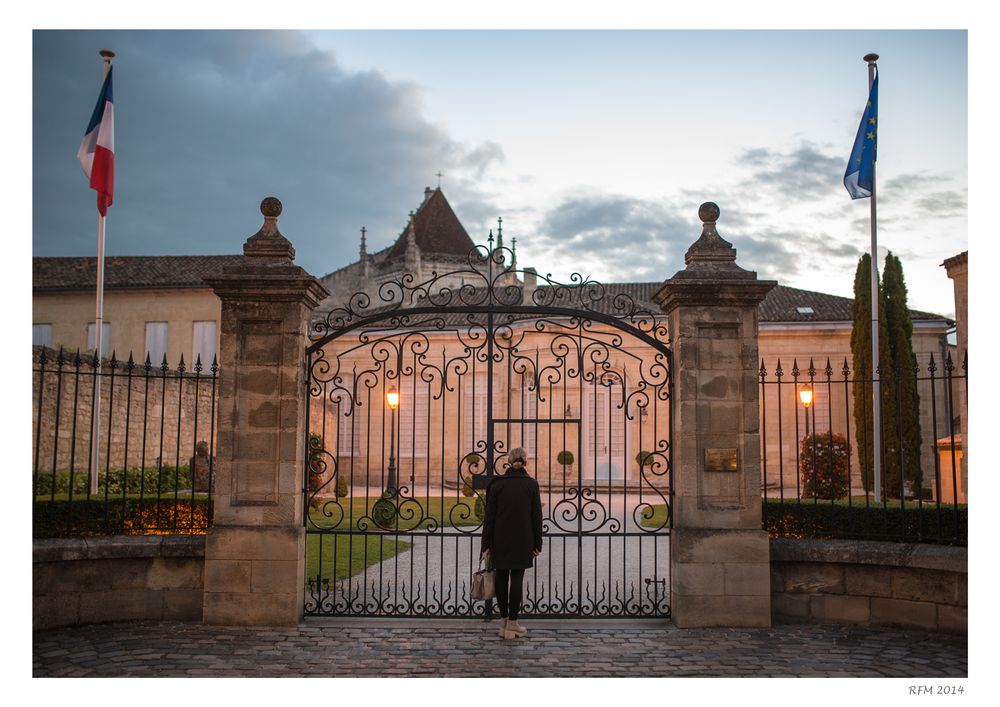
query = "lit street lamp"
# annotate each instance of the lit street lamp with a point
(806, 397)
(392, 398)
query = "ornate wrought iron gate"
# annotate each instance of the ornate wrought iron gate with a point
(415, 401)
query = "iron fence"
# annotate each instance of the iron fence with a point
(817, 451)
(417, 394)
(156, 437)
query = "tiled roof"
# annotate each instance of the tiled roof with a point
(782, 304)
(187, 271)
(437, 229)
(127, 272)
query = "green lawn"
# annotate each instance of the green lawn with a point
(416, 514)
(344, 556)
(659, 518)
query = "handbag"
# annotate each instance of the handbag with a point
(484, 580)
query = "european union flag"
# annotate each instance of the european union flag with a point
(859, 177)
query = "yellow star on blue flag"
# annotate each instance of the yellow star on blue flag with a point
(859, 177)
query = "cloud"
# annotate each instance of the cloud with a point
(209, 123)
(803, 172)
(616, 237)
(611, 237)
(909, 182)
(942, 204)
(481, 158)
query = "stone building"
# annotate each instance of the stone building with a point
(957, 268)
(432, 241)
(158, 305)
(161, 304)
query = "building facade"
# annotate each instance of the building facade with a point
(160, 306)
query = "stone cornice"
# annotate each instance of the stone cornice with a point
(266, 271)
(276, 283)
(677, 292)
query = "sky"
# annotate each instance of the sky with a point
(596, 147)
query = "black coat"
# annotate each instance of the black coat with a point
(512, 527)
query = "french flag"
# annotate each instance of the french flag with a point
(97, 151)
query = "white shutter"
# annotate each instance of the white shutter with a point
(156, 341)
(41, 335)
(473, 412)
(411, 417)
(204, 343)
(105, 337)
(347, 419)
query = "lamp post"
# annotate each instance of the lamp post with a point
(392, 398)
(806, 397)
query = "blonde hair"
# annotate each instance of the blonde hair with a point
(517, 454)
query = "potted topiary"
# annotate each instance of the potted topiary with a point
(384, 511)
(824, 460)
(342, 489)
(644, 458)
(565, 458)
(316, 467)
(474, 461)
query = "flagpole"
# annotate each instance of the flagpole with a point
(107, 56)
(876, 382)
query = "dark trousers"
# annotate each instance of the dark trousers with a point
(509, 599)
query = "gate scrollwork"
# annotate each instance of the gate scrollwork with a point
(480, 359)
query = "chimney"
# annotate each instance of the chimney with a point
(530, 284)
(530, 278)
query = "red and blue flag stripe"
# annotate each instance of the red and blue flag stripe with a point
(97, 151)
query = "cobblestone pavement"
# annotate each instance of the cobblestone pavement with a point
(469, 648)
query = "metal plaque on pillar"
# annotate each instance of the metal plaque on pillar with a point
(724, 460)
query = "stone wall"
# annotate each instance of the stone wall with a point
(870, 583)
(168, 412)
(100, 579)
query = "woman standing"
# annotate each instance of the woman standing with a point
(512, 532)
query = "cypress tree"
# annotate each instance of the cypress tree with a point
(902, 443)
(861, 350)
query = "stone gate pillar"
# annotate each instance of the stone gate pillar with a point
(719, 554)
(255, 549)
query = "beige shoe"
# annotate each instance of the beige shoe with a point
(503, 627)
(517, 629)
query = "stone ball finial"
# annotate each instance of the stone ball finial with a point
(268, 241)
(271, 207)
(708, 212)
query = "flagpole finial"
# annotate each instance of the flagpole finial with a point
(871, 58)
(107, 54)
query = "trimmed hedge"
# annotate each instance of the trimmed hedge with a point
(808, 519)
(131, 516)
(146, 481)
